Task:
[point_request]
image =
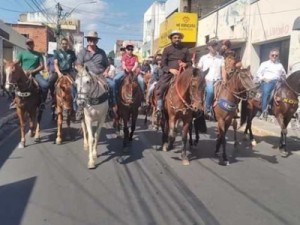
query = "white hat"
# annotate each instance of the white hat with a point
(92, 34)
(175, 32)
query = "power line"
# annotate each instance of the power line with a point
(10, 10)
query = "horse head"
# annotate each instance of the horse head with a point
(129, 87)
(13, 74)
(83, 83)
(241, 81)
(190, 86)
(64, 91)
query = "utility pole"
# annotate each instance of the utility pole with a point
(58, 26)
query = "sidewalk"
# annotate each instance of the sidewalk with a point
(271, 128)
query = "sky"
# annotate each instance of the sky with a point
(112, 19)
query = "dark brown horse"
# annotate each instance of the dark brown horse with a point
(184, 97)
(27, 99)
(284, 104)
(129, 101)
(228, 97)
(64, 104)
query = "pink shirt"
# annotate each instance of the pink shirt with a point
(129, 61)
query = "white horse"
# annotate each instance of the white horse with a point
(93, 100)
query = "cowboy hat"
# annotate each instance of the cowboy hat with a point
(175, 32)
(92, 34)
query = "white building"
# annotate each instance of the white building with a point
(153, 17)
(255, 27)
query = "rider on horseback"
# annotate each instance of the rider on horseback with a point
(268, 74)
(94, 58)
(129, 63)
(174, 57)
(64, 59)
(214, 62)
(32, 63)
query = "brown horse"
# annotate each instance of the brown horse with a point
(284, 104)
(27, 99)
(129, 101)
(64, 103)
(184, 97)
(147, 78)
(228, 97)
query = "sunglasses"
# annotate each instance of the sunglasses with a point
(92, 39)
(130, 49)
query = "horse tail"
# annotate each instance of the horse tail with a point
(244, 113)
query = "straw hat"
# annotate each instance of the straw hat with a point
(92, 34)
(175, 32)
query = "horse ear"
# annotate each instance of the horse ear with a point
(206, 72)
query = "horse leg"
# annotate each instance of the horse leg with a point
(37, 136)
(197, 130)
(126, 134)
(172, 132)
(32, 122)
(68, 135)
(21, 115)
(165, 132)
(59, 125)
(191, 133)
(234, 125)
(85, 135)
(97, 135)
(91, 140)
(133, 123)
(184, 157)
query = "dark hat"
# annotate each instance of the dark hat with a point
(29, 40)
(129, 46)
(175, 32)
(212, 43)
(226, 43)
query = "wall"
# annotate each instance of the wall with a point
(40, 34)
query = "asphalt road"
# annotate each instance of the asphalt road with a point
(46, 184)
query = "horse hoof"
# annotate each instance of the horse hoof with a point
(165, 147)
(185, 162)
(21, 145)
(224, 163)
(253, 143)
(91, 166)
(37, 140)
(58, 141)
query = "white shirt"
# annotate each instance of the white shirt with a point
(214, 64)
(269, 70)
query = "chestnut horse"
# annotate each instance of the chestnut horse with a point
(185, 96)
(27, 99)
(129, 101)
(228, 97)
(64, 103)
(284, 104)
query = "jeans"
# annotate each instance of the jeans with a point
(111, 85)
(267, 88)
(209, 96)
(117, 81)
(44, 85)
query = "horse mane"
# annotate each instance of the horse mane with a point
(293, 81)
(185, 77)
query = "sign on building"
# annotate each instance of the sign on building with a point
(186, 23)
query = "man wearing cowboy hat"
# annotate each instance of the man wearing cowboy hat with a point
(214, 62)
(32, 63)
(173, 57)
(94, 58)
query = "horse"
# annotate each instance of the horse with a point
(129, 101)
(92, 99)
(184, 96)
(228, 97)
(64, 103)
(284, 104)
(27, 99)
(147, 78)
